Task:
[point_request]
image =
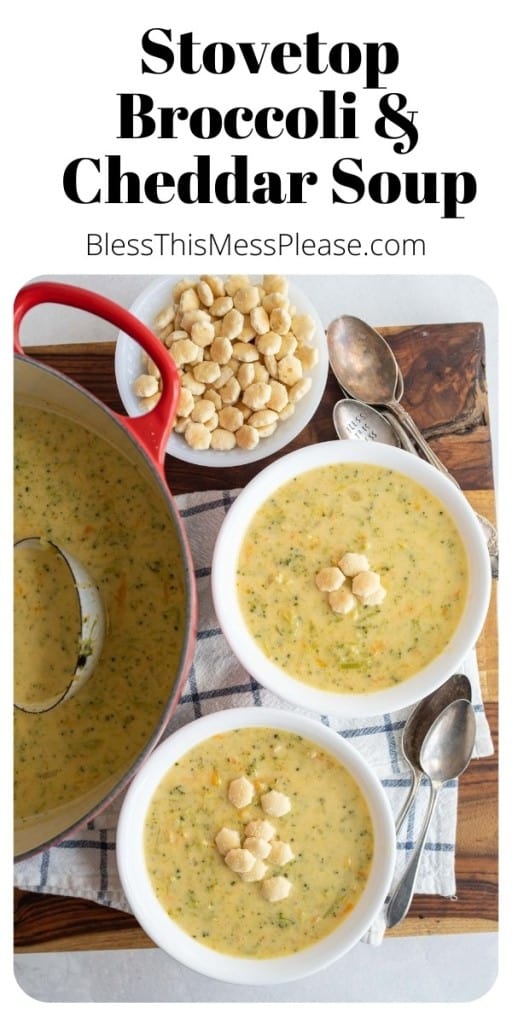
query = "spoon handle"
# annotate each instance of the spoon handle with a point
(401, 433)
(407, 423)
(401, 899)
(430, 455)
(410, 800)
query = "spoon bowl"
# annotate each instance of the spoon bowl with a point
(445, 754)
(362, 361)
(355, 421)
(447, 748)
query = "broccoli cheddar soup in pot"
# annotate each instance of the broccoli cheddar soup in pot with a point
(75, 489)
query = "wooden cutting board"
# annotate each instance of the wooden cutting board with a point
(445, 391)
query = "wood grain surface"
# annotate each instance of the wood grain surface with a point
(445, 391)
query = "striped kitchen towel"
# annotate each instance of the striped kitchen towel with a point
(84, 865)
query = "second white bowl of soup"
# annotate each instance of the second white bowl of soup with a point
(256, 846)
(351, 579)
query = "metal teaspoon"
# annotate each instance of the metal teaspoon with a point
(445, 753)
(365, 367)
(355, 421)
(417, 726)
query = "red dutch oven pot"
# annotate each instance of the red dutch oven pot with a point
(142, 440)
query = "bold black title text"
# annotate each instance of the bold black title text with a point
(331, 117)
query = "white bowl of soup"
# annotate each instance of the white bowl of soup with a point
(298, 555)
(255, 846)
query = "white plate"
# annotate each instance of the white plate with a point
(129, 364)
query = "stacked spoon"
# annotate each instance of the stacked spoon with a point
(438, 741)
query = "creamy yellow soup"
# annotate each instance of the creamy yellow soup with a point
(328, 829)
(75, 489)
(410, 541)
(47, 624)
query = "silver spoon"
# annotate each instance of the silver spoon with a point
(355, 421)
(365, 367)
(445, 754)
(417, 726)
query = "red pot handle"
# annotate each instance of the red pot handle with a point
(151, 429)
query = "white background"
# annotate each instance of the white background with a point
(63, 66)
